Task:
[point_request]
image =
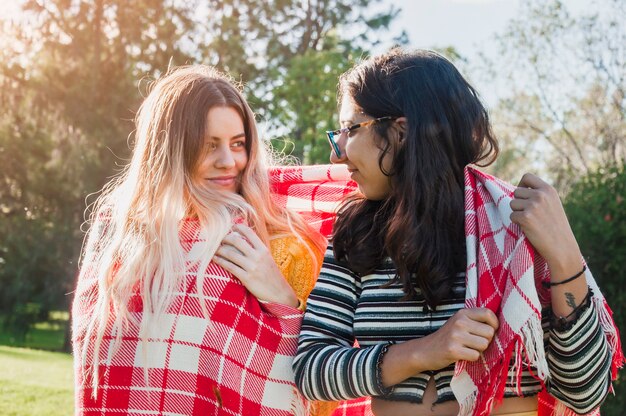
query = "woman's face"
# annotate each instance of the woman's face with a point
(225, 156)
(360, 153)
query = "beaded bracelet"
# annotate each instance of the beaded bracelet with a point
(576, 276)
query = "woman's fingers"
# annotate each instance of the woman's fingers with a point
(519, 204)
(484, 315)
(249, 234)
(478, 328)
(229, 266)
(243, 254)
(237, 242)
(233, 255)
(484, 331)
(532, 181)
(476, 342)
(523, 193)
(468, 354)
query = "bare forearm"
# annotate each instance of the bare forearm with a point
(463, 337)
(400, 363)
(567, 296)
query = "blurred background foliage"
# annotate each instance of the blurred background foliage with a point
(73, 73)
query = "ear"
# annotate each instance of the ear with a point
(401, 126)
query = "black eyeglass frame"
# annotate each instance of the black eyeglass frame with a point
(330, 134)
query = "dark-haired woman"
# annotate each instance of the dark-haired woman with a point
(466, 295)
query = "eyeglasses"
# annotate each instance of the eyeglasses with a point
(338, 133)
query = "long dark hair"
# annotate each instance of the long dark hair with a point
(420, 226)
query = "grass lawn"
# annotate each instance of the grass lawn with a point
(34, 382)
(46, 335)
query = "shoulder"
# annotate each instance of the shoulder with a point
(287, 247)
(298, 260)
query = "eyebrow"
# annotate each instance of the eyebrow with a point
(236, 136)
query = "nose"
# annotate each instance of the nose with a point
(341, 143)
(224, 158)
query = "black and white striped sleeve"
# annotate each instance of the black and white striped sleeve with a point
(580, 362)
(327, 366)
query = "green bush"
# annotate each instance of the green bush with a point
(596, 208)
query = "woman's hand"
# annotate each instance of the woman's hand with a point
(537, 209)
(244, 255)
(465, 336)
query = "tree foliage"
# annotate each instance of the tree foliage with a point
(564, 79)
(305, 103)
(290, 54)
(69, 71)
(596, 208)
(67, 82)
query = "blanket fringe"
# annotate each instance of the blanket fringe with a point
(299, 405)
(466, 407)
(533, 350)
(561, 410)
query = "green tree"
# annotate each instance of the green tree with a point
(289, 53)
(596, 208)
(68, 81)
(305, 103)
(563, 76)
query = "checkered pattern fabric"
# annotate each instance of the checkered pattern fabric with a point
(503, 274)
(315, 192)
(237, 362)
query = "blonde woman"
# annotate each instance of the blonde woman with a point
(192, 282)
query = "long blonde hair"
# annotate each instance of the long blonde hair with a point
(133, 243)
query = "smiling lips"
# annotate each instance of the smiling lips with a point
(352, 172)
(224, 181)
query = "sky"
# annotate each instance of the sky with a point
(464, 24)
(467, 25)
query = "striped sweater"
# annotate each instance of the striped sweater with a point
(343, 308)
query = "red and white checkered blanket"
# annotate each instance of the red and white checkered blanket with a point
(503, 274)
(238, 362)
(315, 192)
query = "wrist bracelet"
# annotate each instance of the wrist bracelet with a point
(301, 305)
(562, 282)
(562, 323)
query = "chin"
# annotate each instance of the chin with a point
(223, 189)
(373, 196)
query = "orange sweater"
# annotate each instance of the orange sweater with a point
(299, 264)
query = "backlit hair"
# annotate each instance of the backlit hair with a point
(133, 244)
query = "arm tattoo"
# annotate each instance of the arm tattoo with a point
(570, 300)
